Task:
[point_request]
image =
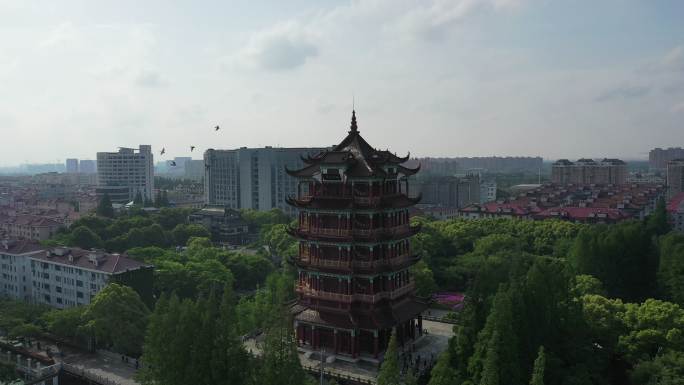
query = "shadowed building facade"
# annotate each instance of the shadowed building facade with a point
(354, 284)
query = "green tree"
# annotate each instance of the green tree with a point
(389, 370)
(539, 368)
(85, 238)
(657, 223)
(425, 280)
(8, 373)
(65, 322)
(227, 346)
(182, 232)
(117, 317)
(586, 284)
(104, 208)
(671, 267)
(443, 373)
(280, 362)
(25, 330)
(491, 367)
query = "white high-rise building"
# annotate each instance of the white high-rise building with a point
(252, 178)
(124, 173)
(72, 166)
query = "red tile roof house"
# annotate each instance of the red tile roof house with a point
(675, 209)
(584, 214)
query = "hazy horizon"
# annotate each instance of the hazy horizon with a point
(437, 78)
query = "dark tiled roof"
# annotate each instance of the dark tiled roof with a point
(358, 157)
(16, 247)
(109, 263)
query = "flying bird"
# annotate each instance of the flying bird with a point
(173, 163)
(217, 128)
(192, 148)
(163, 151)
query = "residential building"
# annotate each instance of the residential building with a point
(658, 157)
(578, 203)
(194, 169)
(492, 164)
(64, 277)
(449, 191)
(126, 170)
(72, 166)
(252, 178)
(225, 224)
(675, 209)
(589, 171)
(487, 190)
(15, 268)
(87, 166)
(354, 284)
(675, 177)
(39, 228)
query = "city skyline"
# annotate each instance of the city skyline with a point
(475, 77)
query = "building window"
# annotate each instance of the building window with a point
(79, 283)
(79, 294)
(47, 298)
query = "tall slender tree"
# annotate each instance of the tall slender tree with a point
(104, 207)
(389, 370)
(539, 367)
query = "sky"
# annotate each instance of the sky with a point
(551, 78)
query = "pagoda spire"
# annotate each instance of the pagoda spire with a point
(354, 127)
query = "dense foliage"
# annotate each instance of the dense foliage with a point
(557, 303)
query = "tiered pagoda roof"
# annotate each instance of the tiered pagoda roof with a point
(358, 159)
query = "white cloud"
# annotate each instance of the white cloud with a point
(60, 35)
(282, 47)
(149, 79)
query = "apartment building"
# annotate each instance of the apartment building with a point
(124, 173)
(72, 166)
(64, 277)
(589, 171)
(658, 157)
(252, 178)
(675, 177)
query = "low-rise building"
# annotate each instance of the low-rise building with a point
(225, 224)
(33, 227)
(64, 277)
(578, 203)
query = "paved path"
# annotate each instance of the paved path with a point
(105, 367)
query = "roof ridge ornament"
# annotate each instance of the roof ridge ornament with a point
(353, 128)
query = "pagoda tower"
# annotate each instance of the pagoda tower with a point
(354, 286)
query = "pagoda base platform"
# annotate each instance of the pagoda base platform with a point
(428, 347)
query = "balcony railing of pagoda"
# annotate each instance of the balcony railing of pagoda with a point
(325, 231)
(403, 290)
(323, 294)
(347, 298)
(381, 231)
(340, 264)
(396, 261)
